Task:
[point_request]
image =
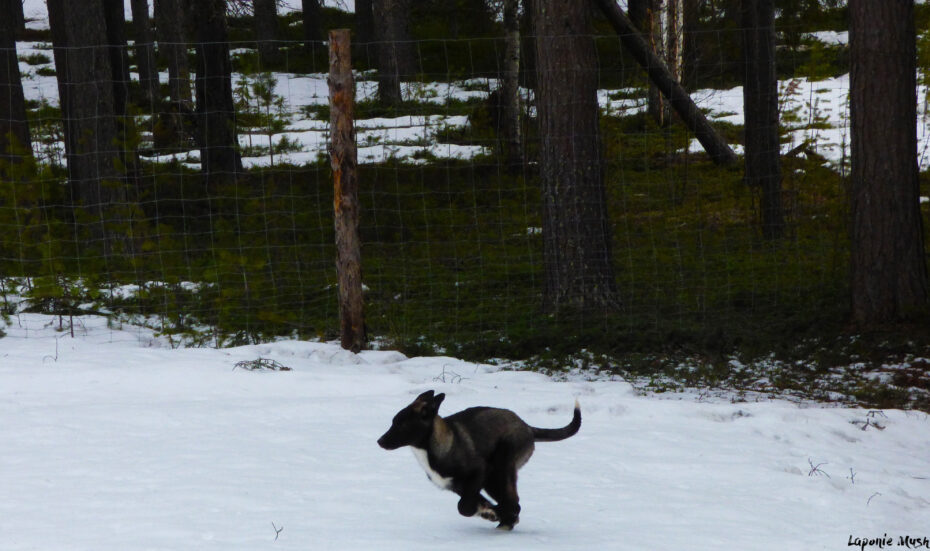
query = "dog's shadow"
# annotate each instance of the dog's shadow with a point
(478, 530)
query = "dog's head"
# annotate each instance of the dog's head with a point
(414, 423)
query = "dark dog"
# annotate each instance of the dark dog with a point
(478, 448)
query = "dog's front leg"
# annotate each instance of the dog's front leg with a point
(470, 492)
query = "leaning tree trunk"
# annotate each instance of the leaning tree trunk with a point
(215, 111)
(145, 51)
(266, 31)
(760, 101)
(14, 129)
(510, 86)
(692, 117)
(889, 272)
(88, 107)
(579, 272)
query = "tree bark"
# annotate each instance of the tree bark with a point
(579, 272)
(18, 16)
(115, 14)
(266, 30)
(171, 30)
(313, 31)
(510, 86)
(145, 51)
(394, 55)
(15, 141)
(889, 271)
(85, 85)
(716, 147)
(215, 111)
(343, 158)
(760, 106)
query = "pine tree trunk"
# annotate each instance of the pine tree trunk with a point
(115, 14)
(889, 271)
(215, 111)
(145, 51)
(760, 101)
(14, 129)
(579, 272)
(528, 45)
(394, 49)
(655, 24)
(510, 86)
(18, 16)
(313, 31)
(171, 24)
(266, 30)
(85, 85)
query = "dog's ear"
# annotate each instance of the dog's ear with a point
(425, 397)
(438, 400)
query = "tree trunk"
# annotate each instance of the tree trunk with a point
(889, 272)
(760, 105)
(266, 31)
(510, 86)
(674, 37)
(395, 57)
(215, 111)
(528, 45)
(171, 24)
(364, 21)
(18, 16)
(655, 32)
(716, 147)
(145, 51)
(85, 85)
(579, 272)
(312, 22)
(115, 14)
(14, 129)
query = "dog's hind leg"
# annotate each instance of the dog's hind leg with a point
(502, 487)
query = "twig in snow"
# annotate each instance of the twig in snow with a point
(277, 531)
(815, 469)
(870, 498)
(852, 475)
(260, 364)
(448, 376)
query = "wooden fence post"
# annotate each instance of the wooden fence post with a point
(343, 159)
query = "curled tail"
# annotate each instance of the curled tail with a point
(554, 435)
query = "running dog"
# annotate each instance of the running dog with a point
(480, 448)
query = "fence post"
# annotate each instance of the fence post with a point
(343, 159)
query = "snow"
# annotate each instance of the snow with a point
(115, 440)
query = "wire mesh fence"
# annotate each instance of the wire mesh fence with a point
(452, 230)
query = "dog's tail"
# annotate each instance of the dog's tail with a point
(554, 435)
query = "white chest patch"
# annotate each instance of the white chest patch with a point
(443, 482)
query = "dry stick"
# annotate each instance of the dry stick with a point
(714, 144)
(343, 158)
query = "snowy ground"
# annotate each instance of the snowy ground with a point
(113, 440)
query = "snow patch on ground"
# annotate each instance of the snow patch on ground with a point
(114, 440)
